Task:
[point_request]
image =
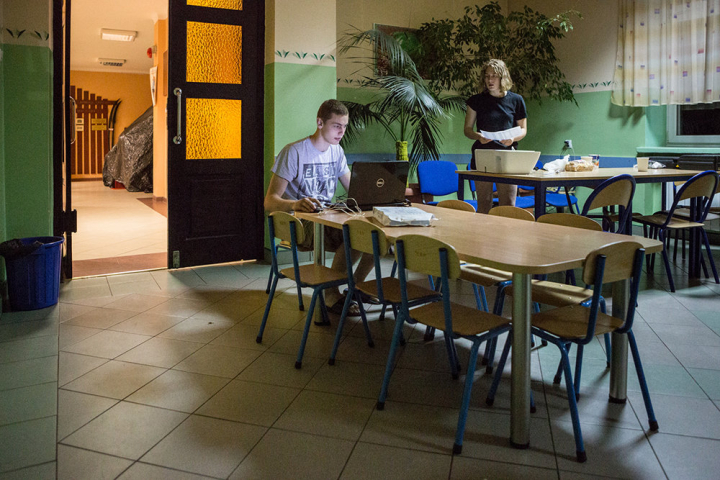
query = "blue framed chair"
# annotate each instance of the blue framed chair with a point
(563, 294)
(363, 236)
(576, 324)
(699, 189)
(617, 191)
(286, 227)
(438, 178)
(285, 246)
(430, 256)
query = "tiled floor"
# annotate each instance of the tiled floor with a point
(118, 231)
(160, 377)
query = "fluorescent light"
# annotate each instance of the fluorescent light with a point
(112, 62)
(117, 35)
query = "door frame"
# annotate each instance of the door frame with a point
(64, 218)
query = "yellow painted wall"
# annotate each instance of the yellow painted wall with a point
(160, 118)
(133, 89)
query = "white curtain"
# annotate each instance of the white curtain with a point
(668, 53)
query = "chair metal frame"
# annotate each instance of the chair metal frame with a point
(317, 277)
(700, 188)
(433, 257)
(363, 236)
(613, 262)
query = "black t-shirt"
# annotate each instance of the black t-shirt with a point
(496, 114)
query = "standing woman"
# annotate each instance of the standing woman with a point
(495, 109)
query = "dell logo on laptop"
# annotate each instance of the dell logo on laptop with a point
(380, 182)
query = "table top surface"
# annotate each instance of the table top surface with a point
(652, 175)
(517, 246)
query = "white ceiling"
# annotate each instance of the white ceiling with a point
(87, 17)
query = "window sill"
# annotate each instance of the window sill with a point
(678, 150)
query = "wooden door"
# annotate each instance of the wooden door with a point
(92, 139)
(215, 131)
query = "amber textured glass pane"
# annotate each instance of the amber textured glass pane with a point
(227, 4)
(213, 128)
(214, 53)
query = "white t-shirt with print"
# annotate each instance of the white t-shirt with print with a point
(310, 172)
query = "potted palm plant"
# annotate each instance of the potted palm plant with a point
(405, 108)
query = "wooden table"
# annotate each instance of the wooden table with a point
(542, 180)
(525, 249)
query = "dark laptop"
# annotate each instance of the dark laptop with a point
(376, 184)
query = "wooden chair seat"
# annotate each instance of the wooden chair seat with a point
(572, 322)
(659, 219)
(391, 290)
(466, 321)
(311, 274)
(484, 276)
(556, 294)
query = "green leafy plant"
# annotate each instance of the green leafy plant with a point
(404, 107)
(451, 52)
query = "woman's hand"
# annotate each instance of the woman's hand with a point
(483, 140)
(507, 142)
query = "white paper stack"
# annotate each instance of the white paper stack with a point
(399, 216)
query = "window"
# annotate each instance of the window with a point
(693, 124)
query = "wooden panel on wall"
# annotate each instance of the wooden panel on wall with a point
(92, 142)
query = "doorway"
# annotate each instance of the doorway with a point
(210, 221)
(121, 215)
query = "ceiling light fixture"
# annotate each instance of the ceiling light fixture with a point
(112, 62)
(117, 35)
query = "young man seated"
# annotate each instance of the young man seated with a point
(305, 176)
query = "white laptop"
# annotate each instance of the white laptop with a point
(506, 161)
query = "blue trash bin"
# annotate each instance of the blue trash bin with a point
(34, 280)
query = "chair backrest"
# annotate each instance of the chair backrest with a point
(618, 190)
(365, 237)
(570, 220)
(610, 263)
(422, 254)
(287, 228)
(437, 177)
(457, 205)
(282, 225)
(508, 211)
(360, 236)
(701, 187)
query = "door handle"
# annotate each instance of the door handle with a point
(177, 139)
(74, 120)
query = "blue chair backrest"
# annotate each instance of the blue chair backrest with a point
(437, 177)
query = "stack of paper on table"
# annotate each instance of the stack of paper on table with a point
(399, 216)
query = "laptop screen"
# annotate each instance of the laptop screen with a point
(378, 183)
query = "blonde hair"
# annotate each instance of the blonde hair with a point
(499, 68)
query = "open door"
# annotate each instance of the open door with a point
(64, 217)
(215, 131)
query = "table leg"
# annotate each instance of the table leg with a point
(319, 256)
(540, 196)
(520, 383)
(619, 363)
(694, 249)
(461, 188)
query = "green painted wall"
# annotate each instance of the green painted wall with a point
(594, 125)
(27, 140)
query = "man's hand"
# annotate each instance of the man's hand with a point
(307, 204)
